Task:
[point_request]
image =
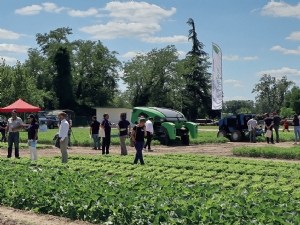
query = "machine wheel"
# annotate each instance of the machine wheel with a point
(236, 136)
(185, 140)
(222, 133)
(164, 138)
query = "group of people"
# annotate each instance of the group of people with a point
(143, 129)
(272, 123)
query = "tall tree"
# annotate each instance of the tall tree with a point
(197, 97)
(238, 106)
(271, 93)
(292, 99)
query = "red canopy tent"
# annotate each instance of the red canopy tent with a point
(21, 107)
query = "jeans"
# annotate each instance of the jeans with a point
(139, 152)
(297, 133)
(33, 151)
(96, 141)
(13, 139)
(123, 145)
(149, 139)
(252, 135)
(105, 144)
(276, 128)
(63, 149)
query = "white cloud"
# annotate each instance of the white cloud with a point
(7, 34)
(172, 39)
(286, 51)
(13, 48)
(8, 60)
(132, 54)
(132, 19)
(113, 30)
(37, 9)
(294, 36)
(181, 54)
(82, 13)
(52, 7)
(281, 9)
(234, 83)
(29, 10)
(239, 58)
(284, 71)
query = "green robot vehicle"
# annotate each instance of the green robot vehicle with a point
(169, 125)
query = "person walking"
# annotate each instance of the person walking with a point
(94, 132)
(124, 129)
(276, 121)
(252, 124)
(296, 124)
(150, 131)
(63, 136)
(32, 130)
(138, 135)
(14, 125)
(106, 125)
(286, 126)
(269, 128)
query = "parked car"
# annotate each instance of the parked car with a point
(51, 121)
(168, 124)
(235, 127)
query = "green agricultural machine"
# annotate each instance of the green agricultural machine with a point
(169, 125)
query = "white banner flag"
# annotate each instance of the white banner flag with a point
(217, 85)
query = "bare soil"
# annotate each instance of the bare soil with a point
(9, 216)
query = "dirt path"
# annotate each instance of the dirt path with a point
(10, 216)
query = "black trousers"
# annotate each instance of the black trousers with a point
(149, 140)
(3, 138)
(276, 128)
(105, 144)
(13, 139)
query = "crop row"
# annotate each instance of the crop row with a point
(170, 189)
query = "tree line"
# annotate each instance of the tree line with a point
(83, 74)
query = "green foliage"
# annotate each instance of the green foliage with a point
(268, 152)
(170, 189)
(197, 96)
(271, 93)
(292, 99)
(286, 112)
(238, 106)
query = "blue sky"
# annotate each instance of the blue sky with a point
(256, 36)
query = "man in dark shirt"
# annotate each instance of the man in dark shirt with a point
(2, 130)
(94, 132)
(138, 136)
(269, 128)
(124, 127)
(106, 125)
(276, 120)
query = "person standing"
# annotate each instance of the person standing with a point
(32, 130)
(69, 120)
(296, 124)
(94, 132)
(138, 135)
(150, 131)
(286, 125)
(124, 129)
(252, 124)
(14, 125)
(106, 125)
(63, 136)
(276, 121)
(2, 130)
(269, 128)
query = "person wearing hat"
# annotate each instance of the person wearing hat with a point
(14, 125)
(138, 135)
(150, 131)
(63, 136)
(32, 129)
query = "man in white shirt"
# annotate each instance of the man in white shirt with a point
(150, 131)
(14, 125)
(63, 136)
(252, 124)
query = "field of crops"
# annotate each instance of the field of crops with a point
(169, 189)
